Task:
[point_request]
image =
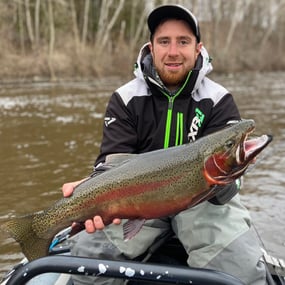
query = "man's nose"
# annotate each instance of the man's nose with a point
(173, 49)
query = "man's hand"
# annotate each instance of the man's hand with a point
(68, 188)
(91, 225)
(97, 223)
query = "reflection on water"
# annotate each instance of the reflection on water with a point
(50, 134)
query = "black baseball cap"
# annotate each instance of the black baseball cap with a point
(173, 12)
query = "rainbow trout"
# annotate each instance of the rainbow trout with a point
(145, 186)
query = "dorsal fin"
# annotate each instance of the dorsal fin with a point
(118, 158)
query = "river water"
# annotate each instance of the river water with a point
(50, 133)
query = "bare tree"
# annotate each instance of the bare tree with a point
(140, 26)
(239, 9)
(51, 39)
(74, 25)
(274, 10)
(85, 22)
(21, 26)
(106, 24)
(29, 22)
(37, 23)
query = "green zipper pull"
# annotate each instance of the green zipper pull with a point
(168, 122)
(170, 103)
(179, 129)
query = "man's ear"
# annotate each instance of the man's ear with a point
(199, 47)
(150, 48)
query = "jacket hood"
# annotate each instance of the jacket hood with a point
(145, 70)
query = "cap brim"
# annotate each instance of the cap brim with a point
(175, 12)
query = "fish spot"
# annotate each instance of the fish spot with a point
(141, 272)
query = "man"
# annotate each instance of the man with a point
(172, 102)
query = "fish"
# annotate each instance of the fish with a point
(138, 187)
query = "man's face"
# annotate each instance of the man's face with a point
(174, 50)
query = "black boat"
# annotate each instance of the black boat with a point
(166, 264)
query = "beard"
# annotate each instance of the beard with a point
(172, 79)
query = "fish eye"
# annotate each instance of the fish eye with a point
(230, 143)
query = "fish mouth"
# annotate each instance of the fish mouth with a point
(249, 148)
(225, 167)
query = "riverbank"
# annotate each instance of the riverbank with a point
(55, 40)
(65, 64)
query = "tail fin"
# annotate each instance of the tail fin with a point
(21, 229)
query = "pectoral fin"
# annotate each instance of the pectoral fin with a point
(132, 227)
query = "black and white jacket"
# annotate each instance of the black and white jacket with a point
(143, 115)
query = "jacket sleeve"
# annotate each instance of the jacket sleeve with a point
(119, 131)
(222, 113)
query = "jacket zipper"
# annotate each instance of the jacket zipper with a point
(180, 121)
(168, 121)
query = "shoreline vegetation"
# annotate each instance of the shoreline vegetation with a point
(61, 39)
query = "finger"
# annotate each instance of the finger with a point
(67, 189)
(89, 226)
(116, 221)
(98, 223)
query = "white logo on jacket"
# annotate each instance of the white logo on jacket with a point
(194, 129)
(109, 120)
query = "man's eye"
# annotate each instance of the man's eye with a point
(164, 42)
(183, 42)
